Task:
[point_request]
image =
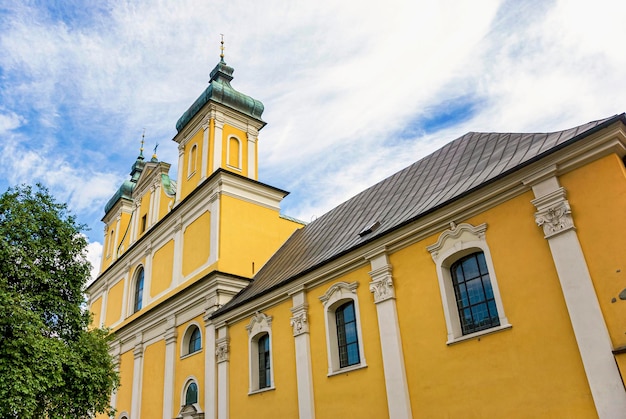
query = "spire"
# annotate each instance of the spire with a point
(143, 137)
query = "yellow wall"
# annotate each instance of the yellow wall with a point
(196, 243)
(96, 310)
(284, 399)
(356, 394)
(188, 366)
(531, 370)
(600, 221)
(124, 392)
(249, 234)
(162, 265)
(153, 380)
(114, 303)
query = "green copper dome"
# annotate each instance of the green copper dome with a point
(220, 91)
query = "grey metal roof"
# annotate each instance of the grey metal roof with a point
(456, 169)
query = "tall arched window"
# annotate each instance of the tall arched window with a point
(193, 157)
(475, 300)
(138, 290)
(195, 341)
(265, 378)
(234, 152)
(347, 338)
(191, 394)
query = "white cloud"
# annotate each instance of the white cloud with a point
(94, 256)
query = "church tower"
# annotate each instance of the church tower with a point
(218, 131)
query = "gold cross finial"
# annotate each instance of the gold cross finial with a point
(222, 48)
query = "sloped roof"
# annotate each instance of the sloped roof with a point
(456, 169)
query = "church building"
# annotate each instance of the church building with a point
(486, 280)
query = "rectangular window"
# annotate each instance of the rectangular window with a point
(143, 223)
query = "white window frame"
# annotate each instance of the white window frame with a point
(452, 245)
(239, 156)
(184, 345)
(259, 325)
(338, 294)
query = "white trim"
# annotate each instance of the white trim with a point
(179, 177)
(396, 385)
(453, 244)
(259, 326)
(239, 155)
(338, 294)
(554, 215)
(252, 142)
(184, 342)
(210, 370)
(135, 412)
(123, 415)
(130, 303)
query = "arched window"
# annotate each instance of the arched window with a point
(467, 281)
(192, 340)
(111, 244)
(261, 375)
(191, 393)
(474, 295)
(347, 338)
(264, 361)
(234, 152)
(138, 290)
(193, 158)
(343, 330)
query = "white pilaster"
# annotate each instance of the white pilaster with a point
(116, 363)
(214, 234)
(217, 142)
(554, 215)
(205, 151)
(304, 375)
(117, 235)
(134, 222)
(177, 272)
(210, 371)
(103, 308)
(150, 208)
(398, 401)
(252, 139)
(169, 373)
(222, 357)
(147, 275)
(179, 177)
(157, 201)
(135, 412)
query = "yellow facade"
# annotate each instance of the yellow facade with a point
(243, 312)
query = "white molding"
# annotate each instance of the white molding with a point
(252, 135)
(135, 411)
(206, 128)
(398, 400)
(170, 337)
(184, 342)
(186, 382)
(337, 294)
(210, 369)
(590, 331)
(453, 244)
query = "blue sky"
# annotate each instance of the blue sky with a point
(353, 91)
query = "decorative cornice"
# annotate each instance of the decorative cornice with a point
(259, 320)
(382, 284)
(222, 350)
(553, 213)
(454, 233)
(339, 287)
(299, 320)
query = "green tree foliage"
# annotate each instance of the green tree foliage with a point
(52, 365)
